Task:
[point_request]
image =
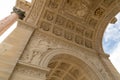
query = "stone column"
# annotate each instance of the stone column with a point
(13, 45)
(8, 21)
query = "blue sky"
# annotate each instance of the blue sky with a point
(111, 39)
(111, 42)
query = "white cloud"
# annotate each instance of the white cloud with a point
(112, 32)
(111, 42)
(115, 57)
(7, 9)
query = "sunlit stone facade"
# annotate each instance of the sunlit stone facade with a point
(59, 40)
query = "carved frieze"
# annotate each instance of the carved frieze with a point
(76, 7)
(35, 12)
(33, 53)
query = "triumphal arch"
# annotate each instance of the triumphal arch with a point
(59, 40)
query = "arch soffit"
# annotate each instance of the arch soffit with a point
(111, 13)
(51, 54)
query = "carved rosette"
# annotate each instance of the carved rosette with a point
(99, 12)
(49, 16)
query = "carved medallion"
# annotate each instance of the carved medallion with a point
(49, 16)
(57, 31)
(60, 21)
(70, 25)
(53, 4)
(79, 40)
(68, 35)
(45, 26)
(99, 12)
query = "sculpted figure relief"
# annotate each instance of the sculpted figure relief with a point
(33, 55)
(77, 7)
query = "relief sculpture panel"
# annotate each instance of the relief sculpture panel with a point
(34, 52)
(54, 4)
(76, 7)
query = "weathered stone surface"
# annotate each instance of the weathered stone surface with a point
(64, 42)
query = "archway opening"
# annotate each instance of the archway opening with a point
(67, 67)
(111, 41)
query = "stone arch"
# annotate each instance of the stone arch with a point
(67, 67)
(111, 13)
(51, 54)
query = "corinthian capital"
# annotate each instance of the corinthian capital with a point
(20, 12)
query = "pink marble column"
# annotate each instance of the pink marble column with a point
(8, 21)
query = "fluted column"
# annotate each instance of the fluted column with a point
(8, 21)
